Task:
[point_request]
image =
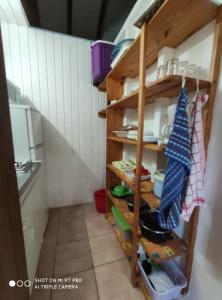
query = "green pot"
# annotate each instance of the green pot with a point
(119, 191)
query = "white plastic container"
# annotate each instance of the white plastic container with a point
(158, 182)
(122, 134)
(164, 55)
(175, 274)
(130, 85)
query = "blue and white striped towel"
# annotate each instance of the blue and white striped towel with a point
(178, 152)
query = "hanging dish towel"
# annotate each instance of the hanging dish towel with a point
(194, 195)
(178, 167)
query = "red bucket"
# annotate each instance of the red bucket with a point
(100, 196)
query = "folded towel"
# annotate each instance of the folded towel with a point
(195, 188)
(178, 167)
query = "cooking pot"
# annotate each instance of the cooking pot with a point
(130, 201)
(151, 229)
(119, 191)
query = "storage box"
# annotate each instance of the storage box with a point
(101, 59)
(122, 225)
(158, 182)
(176, 276)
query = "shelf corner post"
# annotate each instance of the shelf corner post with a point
(139, 150)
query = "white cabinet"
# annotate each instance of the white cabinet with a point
(20, 134)
(34, 212)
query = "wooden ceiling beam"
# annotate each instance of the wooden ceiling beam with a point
(32, 12)
(69, 16)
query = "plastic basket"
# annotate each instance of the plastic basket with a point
(101, 59)
(175, 274)
(124, 228)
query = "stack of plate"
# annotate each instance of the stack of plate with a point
(124, 165)
(147, 136)
(119, 50)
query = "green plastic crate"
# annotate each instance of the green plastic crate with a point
(122, 224)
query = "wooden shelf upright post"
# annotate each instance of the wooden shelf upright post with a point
(139, 150)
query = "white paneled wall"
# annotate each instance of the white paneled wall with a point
(12, 11)
(54, 72)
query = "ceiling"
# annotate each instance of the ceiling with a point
(89, 19)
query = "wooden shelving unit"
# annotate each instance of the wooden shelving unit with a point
(170, 26)
(151, 199)
(168, 86)
(102, 86)
(148, 146)
(122, 205)
(165, 29)
(163, 252)
(157, 252)
(145, 186)
(127, 247)
(122, 140)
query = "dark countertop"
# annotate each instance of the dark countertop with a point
(24, 179)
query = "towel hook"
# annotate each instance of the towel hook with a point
(183, 79)
(198, 80)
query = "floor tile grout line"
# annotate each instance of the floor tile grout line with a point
(101, 234)
(75, 273)
(93, 268)
(110, 262)
(72, 274)
(57, 237)
(97, 288)
(80, 239)
(72, 241)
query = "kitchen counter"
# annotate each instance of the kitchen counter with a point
(24, 179)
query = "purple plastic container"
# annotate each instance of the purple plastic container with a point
(101, 59)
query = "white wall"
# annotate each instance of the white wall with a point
(12, 11)
(54, 72)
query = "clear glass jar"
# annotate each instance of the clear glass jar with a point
(191, 71)
(161, 72)
(182, 66)
(172, 68)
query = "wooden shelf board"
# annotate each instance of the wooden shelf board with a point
(126, 246)
(102, 113)
(145, 185)
(168, 250)
(149, 146)
(163, 252)
(123, 207)
(102, 86)
(129, 101)
(122, 140)
(166, 29)
(169, 86)
(122, 176)
(155, 147)
(151, 200)
(128, 64)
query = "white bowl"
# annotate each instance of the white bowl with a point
(121, 133)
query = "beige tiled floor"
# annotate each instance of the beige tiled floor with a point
(79, 243)
(105, 249)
